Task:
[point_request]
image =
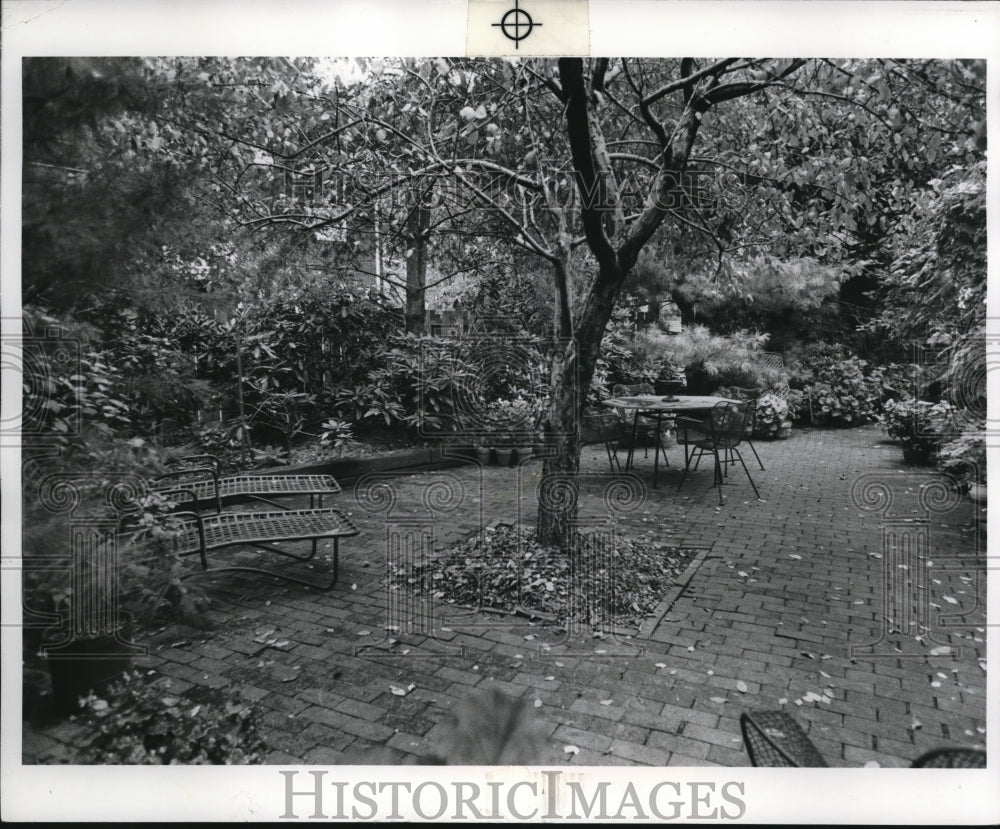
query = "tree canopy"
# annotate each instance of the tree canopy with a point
(753, 186)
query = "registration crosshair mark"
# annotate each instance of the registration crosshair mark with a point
(516, 19)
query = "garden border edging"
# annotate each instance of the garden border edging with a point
(349, 470)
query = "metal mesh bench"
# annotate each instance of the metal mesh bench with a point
(201, 534)
(208, 485)
(773, 739)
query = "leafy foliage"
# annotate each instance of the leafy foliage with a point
(711, 360)
(58, 584)
(936, 291)
(964, 455)
(142, 723)
(841, 389)
(919, 425)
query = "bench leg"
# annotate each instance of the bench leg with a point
(260, 571)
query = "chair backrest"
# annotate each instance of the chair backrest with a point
(727, 423)
(630, 390)
(626, 390)
(601, 426)
(751, 418)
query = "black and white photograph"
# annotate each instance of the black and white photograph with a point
(587, 399)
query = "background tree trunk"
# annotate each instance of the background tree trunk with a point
(417, 225)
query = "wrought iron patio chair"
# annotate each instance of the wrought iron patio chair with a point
(645, 426)
(725, 427)
(607, 428)
(773, 739)
(202, 476)
(751, 396)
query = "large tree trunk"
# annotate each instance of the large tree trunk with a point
(572, 372)
(417, 225)
(557, 496)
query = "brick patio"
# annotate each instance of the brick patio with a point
(785, 587)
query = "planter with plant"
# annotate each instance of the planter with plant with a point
(88, 581)
(513, 426)
(919, 425)
(504, 455)
(773, 418)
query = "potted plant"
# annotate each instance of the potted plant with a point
(514, 425)
(504, 455)
(484, 454)
(918, 425)
(87, 599)
(773, 417)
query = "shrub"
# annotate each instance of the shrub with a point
(711, 360)
(964, 456)
(142, 723)
(106, 480)
(437, 384)
(919, 425)
(838, 389)
(514, 421)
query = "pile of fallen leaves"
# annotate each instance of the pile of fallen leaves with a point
(606, 579)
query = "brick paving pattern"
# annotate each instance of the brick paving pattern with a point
(788, 609)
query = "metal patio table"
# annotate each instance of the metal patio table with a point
(657, 406)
